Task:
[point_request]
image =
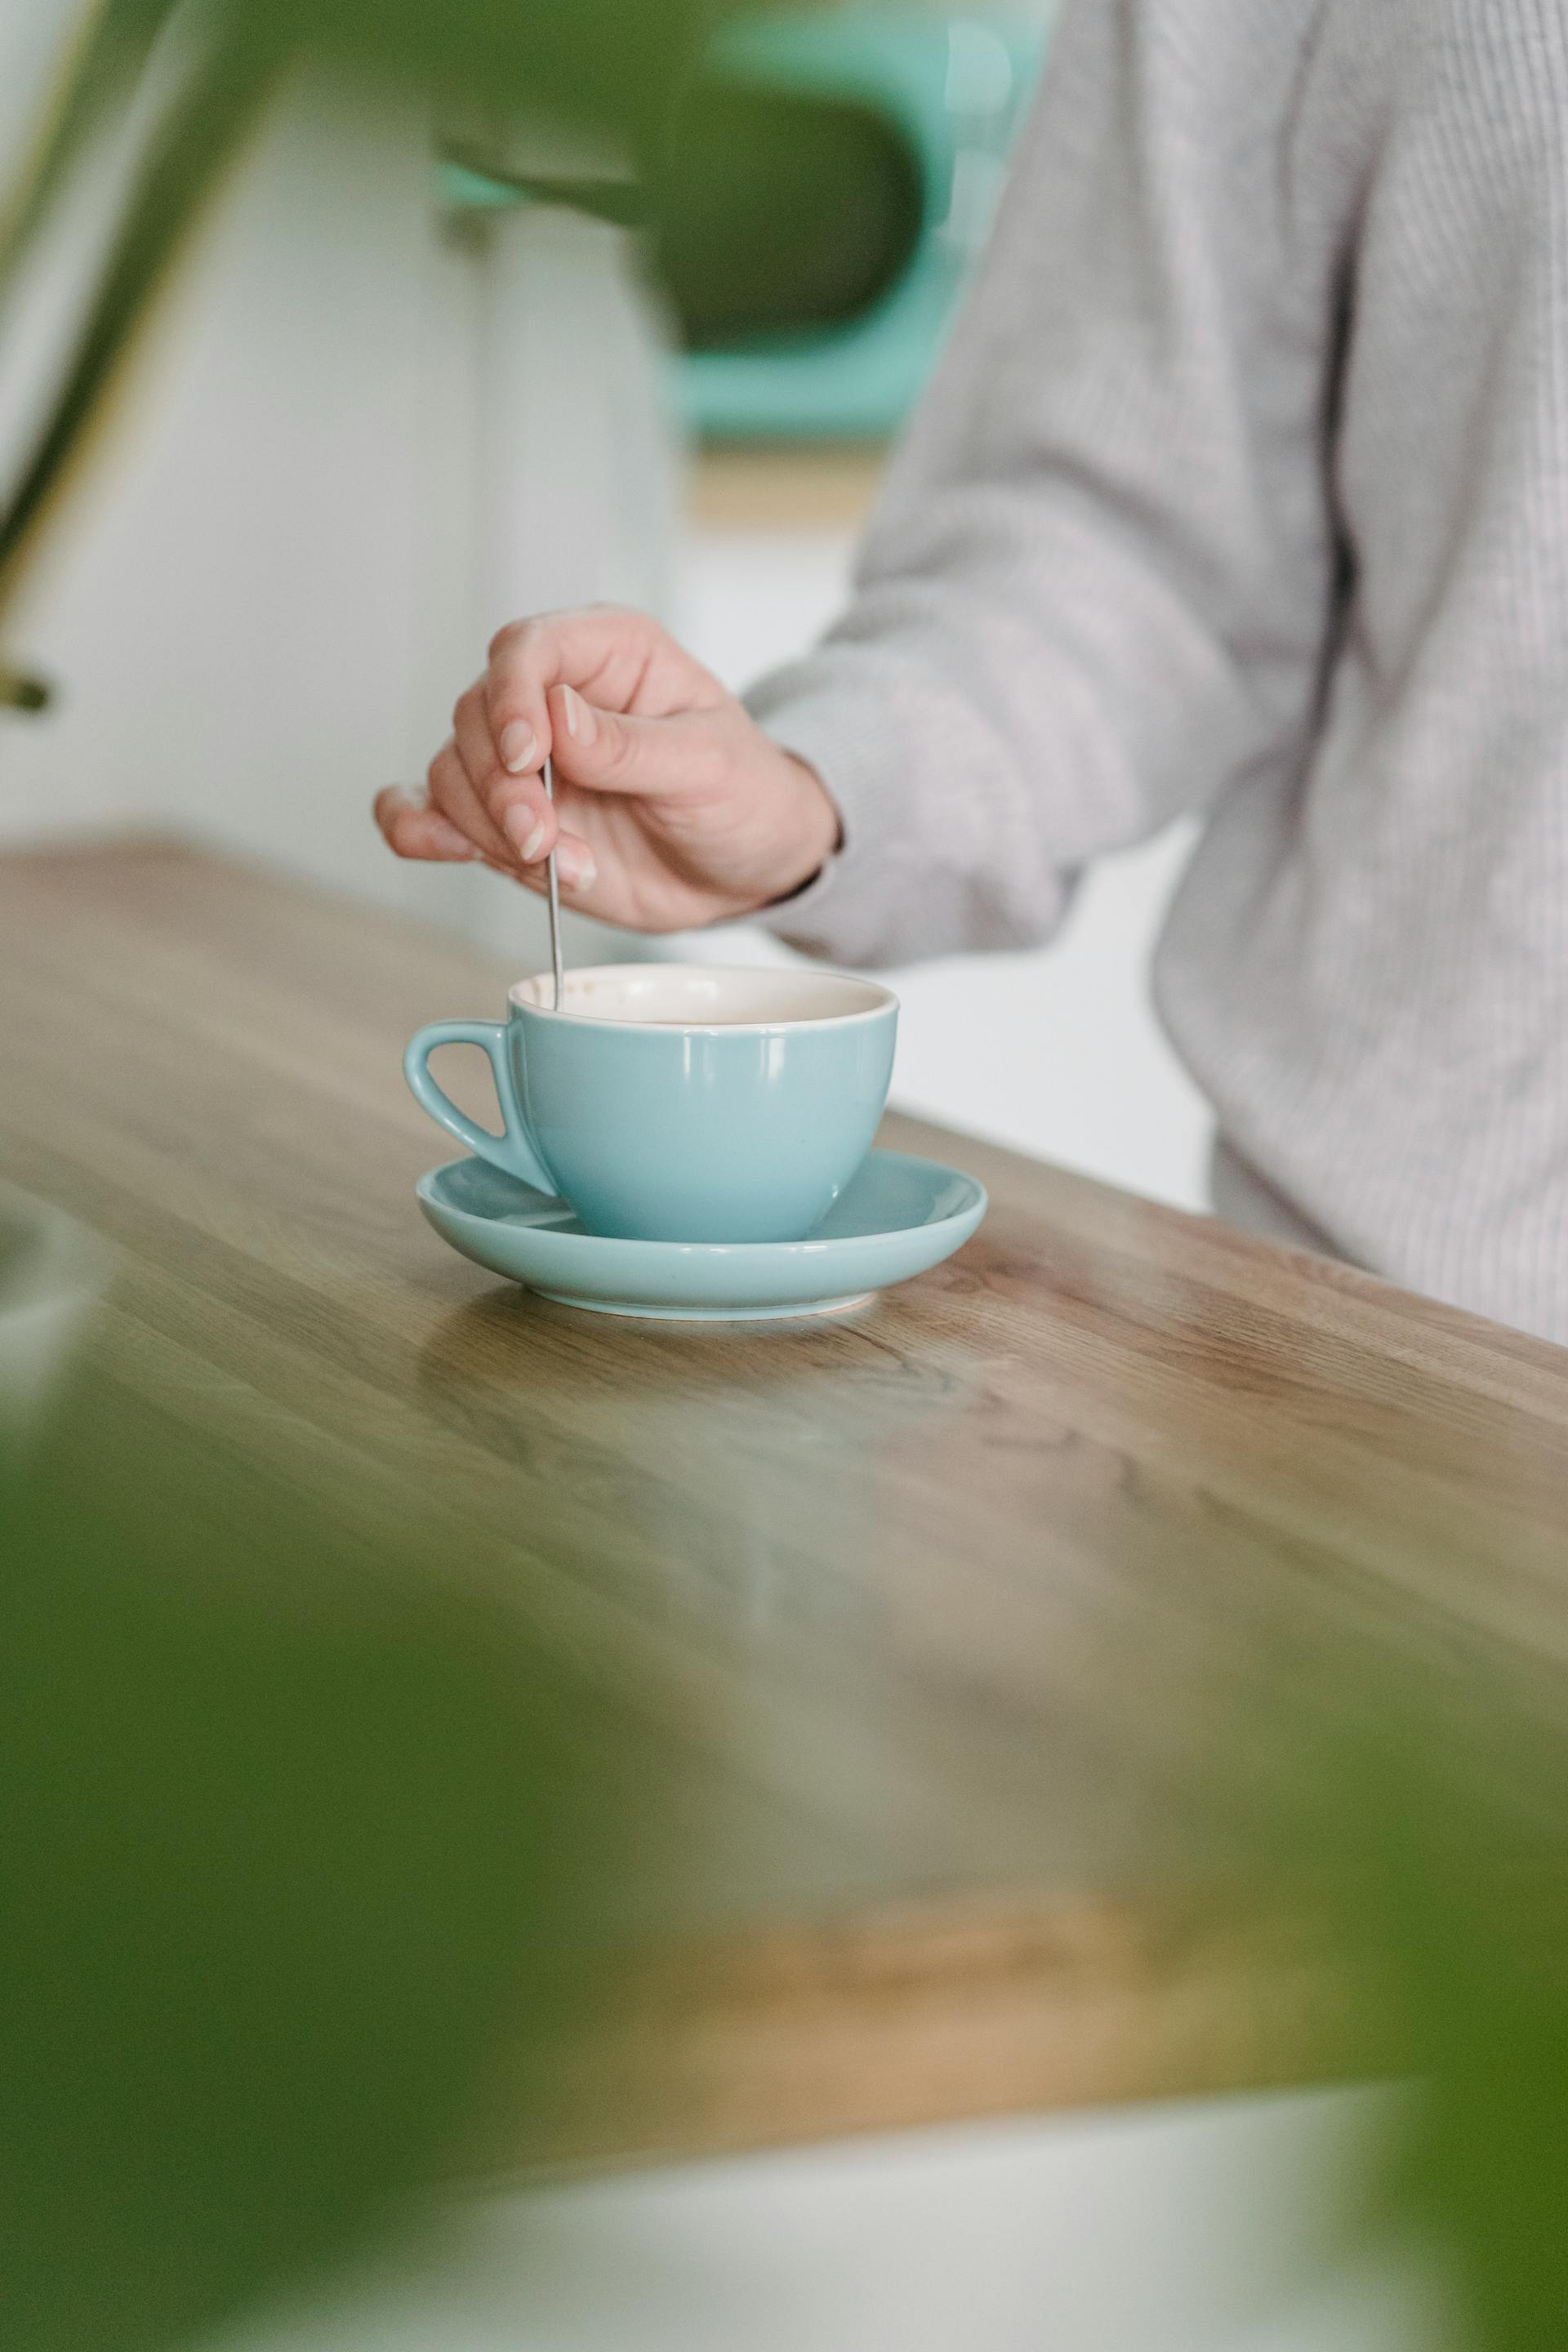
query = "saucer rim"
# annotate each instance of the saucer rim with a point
(600, 1246)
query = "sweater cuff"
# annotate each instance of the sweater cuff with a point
(847, 744)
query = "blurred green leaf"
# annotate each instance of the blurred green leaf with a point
(114, 44)
(779, 213)
(223, 95)
(1417, 1811)
(305, 1852)
(20, 692)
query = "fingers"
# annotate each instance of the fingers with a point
(621, 660)
(687, 756)
(411, 828)
(448, 790)
(623, 709)
(508, 816)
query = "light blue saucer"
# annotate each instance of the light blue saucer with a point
(898, 1217)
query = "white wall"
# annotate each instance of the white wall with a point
(236, 611)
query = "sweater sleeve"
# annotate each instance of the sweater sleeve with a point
(1098, 587)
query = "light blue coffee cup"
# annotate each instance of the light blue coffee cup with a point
(681, 1102)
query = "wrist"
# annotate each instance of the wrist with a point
(816, 832)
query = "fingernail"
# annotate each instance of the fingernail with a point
(576, 867)
(456, 846)
(581, 723)
(517, 747)
(521, 826)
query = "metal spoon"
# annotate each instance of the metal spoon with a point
(555, 894)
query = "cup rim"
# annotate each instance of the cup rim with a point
(886, 1002)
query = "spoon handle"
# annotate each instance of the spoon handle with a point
(554, 894)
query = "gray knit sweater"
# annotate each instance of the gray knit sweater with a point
(1243, 488)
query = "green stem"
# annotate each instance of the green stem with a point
(198, 138)
(19, 692)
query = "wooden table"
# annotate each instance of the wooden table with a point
(943, 1596)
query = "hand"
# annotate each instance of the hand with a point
(672, 808)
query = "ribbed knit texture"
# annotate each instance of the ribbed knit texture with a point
(1243, 488)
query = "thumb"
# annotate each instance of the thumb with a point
(609, 751)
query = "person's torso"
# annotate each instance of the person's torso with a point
(1368, 964)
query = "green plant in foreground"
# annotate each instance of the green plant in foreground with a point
(309, 1865)
(1414, 1812)
(311, 1858)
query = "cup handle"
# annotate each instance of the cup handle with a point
(512, 1149)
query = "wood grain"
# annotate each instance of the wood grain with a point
(953, 1605)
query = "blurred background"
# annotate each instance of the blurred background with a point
(392, 399)
(436, 356)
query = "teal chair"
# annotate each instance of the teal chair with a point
(953, 91)
(856, 147)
